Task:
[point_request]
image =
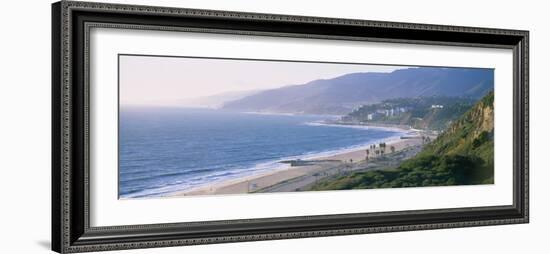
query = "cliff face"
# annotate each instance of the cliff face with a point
(472, 134)
(341, 94)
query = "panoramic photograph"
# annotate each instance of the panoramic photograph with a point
(192, 126)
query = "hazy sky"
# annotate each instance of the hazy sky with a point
(167, 80)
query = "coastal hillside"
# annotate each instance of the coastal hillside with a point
(462, 155)
(472, 134)
(432, 113)
(342, 94)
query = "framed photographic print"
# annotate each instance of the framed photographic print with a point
(181, 126)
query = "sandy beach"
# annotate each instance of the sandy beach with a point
(293, 178)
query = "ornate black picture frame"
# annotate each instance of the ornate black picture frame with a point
(71, 230)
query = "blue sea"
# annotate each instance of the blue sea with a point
(165, 150)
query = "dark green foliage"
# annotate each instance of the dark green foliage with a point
(482, 138)
(488, 101)
(421, 171)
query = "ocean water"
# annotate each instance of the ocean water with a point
(164, 150)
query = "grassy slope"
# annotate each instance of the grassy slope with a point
(462, 155)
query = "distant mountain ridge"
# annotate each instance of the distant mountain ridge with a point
(341, 94)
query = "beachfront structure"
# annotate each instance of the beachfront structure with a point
(379, 113)
(375, 114)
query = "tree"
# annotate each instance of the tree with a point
(392, 148)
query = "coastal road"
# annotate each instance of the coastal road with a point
(337, 169)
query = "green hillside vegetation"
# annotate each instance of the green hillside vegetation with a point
(462, 155)
(418, 113)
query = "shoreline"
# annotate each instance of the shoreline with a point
(393, 127)
(310, 170)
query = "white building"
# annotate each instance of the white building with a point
(369, 116)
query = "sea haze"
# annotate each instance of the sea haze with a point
(165, 150)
